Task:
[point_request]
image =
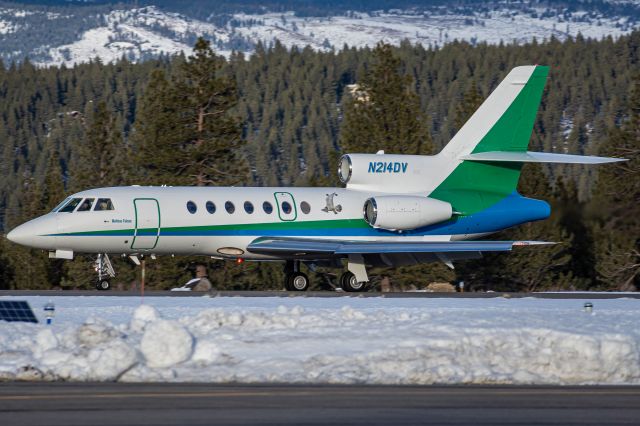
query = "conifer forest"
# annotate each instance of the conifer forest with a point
(286, 117)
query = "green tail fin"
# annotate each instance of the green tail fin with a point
(504, 122)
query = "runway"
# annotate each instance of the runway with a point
(197, 404)
(408, 294)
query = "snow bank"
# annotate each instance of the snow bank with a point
(319, 340)
(166, 343)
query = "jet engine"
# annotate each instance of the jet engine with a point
(394, 174)
(403, 213)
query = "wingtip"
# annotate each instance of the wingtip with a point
(533, 243)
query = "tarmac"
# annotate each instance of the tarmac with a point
(99, 404)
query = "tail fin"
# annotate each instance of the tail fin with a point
(504, 122)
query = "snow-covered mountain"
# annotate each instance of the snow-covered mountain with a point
(139, 33)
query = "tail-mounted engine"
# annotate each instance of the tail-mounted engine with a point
(386, 172)
(403, 213)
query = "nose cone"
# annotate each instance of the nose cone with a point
(37, 233)
(23, 234)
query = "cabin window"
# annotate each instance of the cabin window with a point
(65, 201)
(191, 206)
(305, 207)
(267, 207)
(211, 208)
(71, 205)
(86, 205)
(286, 207)
(229, 207)
(103, 204)
(248, 207)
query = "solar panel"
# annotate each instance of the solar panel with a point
(18, 310)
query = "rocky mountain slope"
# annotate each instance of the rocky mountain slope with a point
(73, 34)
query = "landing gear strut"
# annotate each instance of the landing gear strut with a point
(294, 280)
(105, 271)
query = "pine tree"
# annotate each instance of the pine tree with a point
(469, 103)
(150, 135)
(51, 195)
(101, 162)
(101, 154)
(186, 134)
(7, 273)
(291, 104)
(383, 111)
(189, 135)
(29, 266)
(53, 187)
(616, 200)
(571, 216)
(526, 268)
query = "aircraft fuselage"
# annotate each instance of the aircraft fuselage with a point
(206, 220)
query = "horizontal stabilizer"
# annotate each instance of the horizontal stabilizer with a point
(539, 157)
(302, 247)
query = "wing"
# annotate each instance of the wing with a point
(539, 157)
(390, 253)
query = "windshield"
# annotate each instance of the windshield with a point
(70, 206)
(55, 209)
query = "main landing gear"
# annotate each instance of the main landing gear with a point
(349, 283)
(105, 271)
(294, 280)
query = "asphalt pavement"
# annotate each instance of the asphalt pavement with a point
(98, 404)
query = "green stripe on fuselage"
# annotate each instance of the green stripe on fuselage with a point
(261, 227)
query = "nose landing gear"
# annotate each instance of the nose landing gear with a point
(105, 271)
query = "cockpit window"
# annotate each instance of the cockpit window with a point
(103, 204)
(70, 206)
(85, 206)
(65, 201)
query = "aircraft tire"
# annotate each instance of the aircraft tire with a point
(103, 285)
(349, 283)
(287, 281)
(298, 282)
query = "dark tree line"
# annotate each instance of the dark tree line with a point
(293, 112)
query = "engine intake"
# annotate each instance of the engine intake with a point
(404, 213)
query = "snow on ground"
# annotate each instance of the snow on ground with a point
(326, 340)
(429, 30)
(133, 33)
(150, 31)
(7, 27)
(100, 42)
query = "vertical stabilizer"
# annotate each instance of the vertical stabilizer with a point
(504, 122)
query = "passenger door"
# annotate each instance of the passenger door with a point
(287, 210)
(147, 230)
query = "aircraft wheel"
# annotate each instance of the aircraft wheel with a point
(287, 281)
(103, 285)
(349, 283)
(298, 282)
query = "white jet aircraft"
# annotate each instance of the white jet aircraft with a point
(395, 209)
